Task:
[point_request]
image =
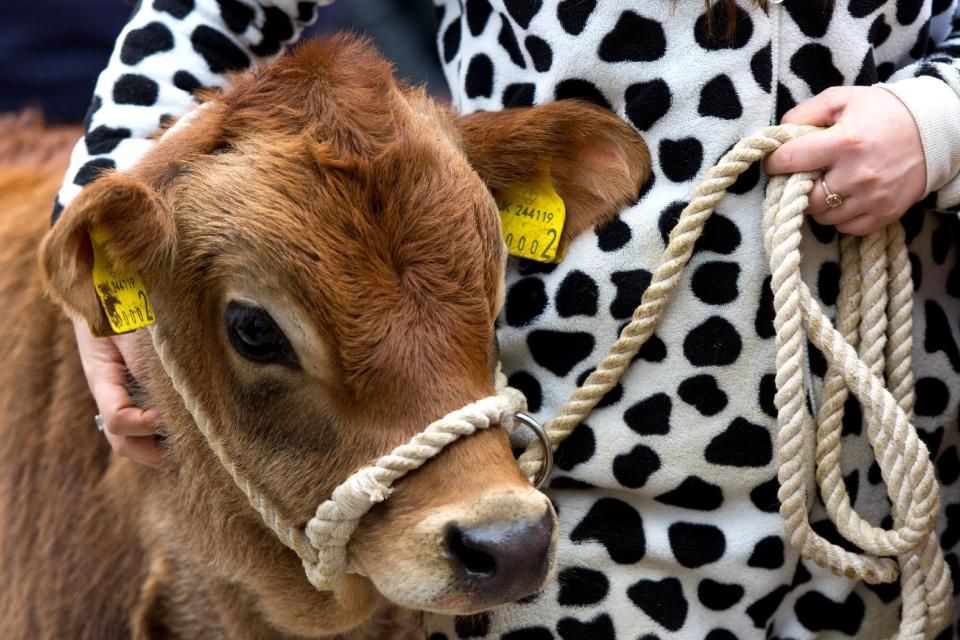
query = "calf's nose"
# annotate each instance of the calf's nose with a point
(502, 561)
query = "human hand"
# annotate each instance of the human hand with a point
(871, 156)
(128, 429)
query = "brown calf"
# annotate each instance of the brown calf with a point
(324, 256)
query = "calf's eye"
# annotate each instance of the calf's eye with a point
(256, 337)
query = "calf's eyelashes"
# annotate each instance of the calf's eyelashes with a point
(254, 335)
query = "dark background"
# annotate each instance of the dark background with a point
(51, 51)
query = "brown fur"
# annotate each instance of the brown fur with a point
(353, 209)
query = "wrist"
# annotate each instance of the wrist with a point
(935, 109)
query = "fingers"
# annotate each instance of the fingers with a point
(129, 429)
(807, 153)
(147, 451)
(821, 110)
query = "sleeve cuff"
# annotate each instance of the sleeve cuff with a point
(935, 108)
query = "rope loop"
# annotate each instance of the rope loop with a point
(874, 313)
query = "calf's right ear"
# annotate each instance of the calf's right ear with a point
(596, 161)
(141, 235)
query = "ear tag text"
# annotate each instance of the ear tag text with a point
(532, 216)
(122, 293)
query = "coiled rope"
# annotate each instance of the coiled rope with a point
(875, 336)
(875, 314)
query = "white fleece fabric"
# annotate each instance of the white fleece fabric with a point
(667, 494)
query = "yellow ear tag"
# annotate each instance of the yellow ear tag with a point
(121, 291)
(532, 217)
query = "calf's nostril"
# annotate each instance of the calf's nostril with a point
(469, 553)
(501, 561)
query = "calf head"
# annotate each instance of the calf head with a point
(324, 257)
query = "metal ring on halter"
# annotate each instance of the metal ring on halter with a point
(541, 434)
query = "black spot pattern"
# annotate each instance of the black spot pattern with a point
(939, 336)
(177, 8)
(508, 40)
(764, 496)
(617, 526)
(633, 39)
(716, 282)
(668, 219)
(761, 66)
(600, 628)
(519, 95)
(526, 300)
(879, 31)
(580, 586)
(92, 169)
(613, 235)
(630, 287)
(680, 160)
(761, 610)
(277, 29)
(812, 22)
(863, 8)
(577, 295)
(219, 52)
(540, 53)
(185, 81)
(767, 553)
(451, 41)
(582, 89)
(717, 595)
(816, 612)
(527, 384)
(573, 14)
(236, 15)
(132, 88)
(718, 98)
(694, 545)
(828, 282)
(932, 396)
(576, 449)
(479, 82)
(813, 63)
(633, 469)
(702, 392)
(694, 493)
(650, 416)
(559, 351)
(478, 12)
(720, 235)
(768, 391)
(523, 11)
(104, 139)
(145, 41)
(715, 342)
(742, 444)
(663, 601)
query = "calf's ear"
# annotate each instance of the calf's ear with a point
(597, 163)
(141, 235)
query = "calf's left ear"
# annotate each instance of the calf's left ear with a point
(596, 161)
(141, 236)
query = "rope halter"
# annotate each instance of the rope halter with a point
(322, 545)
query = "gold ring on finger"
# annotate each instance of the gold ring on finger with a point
(833, 199)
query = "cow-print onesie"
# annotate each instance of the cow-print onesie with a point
(667, 494)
